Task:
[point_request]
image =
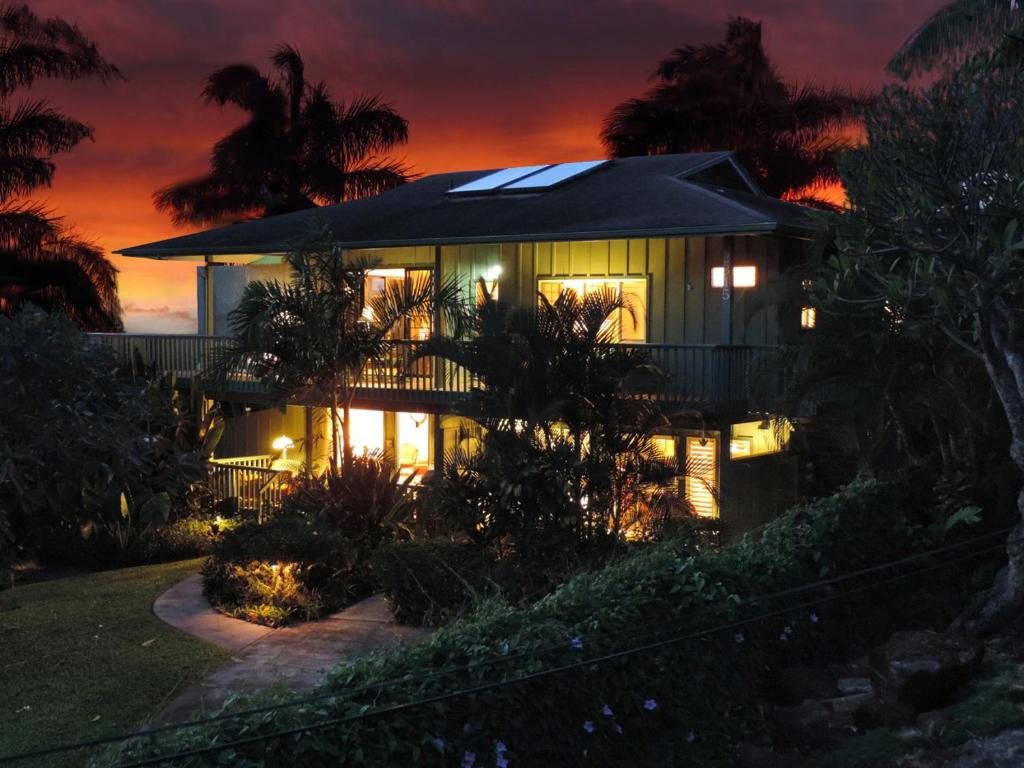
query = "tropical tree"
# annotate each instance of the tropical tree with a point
(956, 31)
(934, 236)
(313, 337)
(300, 148)
(729, 96)
(566, 452)
(41, 260)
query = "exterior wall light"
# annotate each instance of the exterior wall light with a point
(282, 444)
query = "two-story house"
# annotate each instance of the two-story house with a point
(690, 239)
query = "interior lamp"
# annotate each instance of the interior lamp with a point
(282, 444)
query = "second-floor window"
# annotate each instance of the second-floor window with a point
(417, 327)
(627, 326)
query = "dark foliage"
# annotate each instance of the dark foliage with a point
(684, 704)
(41, 261)
(300, 147)
(88, 447)
(729, 96)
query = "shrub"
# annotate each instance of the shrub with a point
(432, 582)
(684, 703)
(180, 540)
(299, 564)
(88, 444)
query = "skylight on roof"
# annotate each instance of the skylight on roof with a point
(494, 180)
(556, 174)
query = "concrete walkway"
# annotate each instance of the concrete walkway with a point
(296, 658)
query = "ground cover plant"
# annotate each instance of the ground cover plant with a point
(313, 557)
(684, 704)
(85, 657)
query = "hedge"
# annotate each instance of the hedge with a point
(684, 704)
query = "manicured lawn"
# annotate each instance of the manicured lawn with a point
(85, 657)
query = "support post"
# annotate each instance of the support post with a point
(727, 248)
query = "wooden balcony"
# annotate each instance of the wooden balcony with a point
(711, 379)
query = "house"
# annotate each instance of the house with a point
(691, 240)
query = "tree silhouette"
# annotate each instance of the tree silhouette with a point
(41, 261)
(300, 148)
(729, 96)
(957, 30)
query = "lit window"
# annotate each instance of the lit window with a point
(664, 446)
(629, 325)
(702, 475)
(739, 447)
(808, 317)
(742, 277)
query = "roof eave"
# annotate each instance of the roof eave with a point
(624, 234)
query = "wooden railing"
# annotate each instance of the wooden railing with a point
(724, 379)
(249, 481)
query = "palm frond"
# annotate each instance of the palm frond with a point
(34, 48)
(954, 32)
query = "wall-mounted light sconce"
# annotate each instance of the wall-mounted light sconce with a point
(282, 444)
(742, 277)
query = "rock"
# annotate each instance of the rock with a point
(849, 686)
(924, 670)
(1004, 750)
(879, 714)
(798, 683)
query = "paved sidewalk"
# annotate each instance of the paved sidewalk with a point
(296, 658)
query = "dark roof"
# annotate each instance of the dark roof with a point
(623, 198)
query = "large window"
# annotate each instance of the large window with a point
(417, 327)
(626, 325)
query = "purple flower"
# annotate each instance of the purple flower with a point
(783, 636)
(468, 760)
(577, 643)
(738, 637)
(606, 711)
(439, 743)
(500, 748)
(501, 762)
(466, 728)
(588, 726)
(618, 729)
(814, 618)
(788, 629)
(650, 705)
(690, 737)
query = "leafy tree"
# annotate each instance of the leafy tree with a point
(730, 96)
(956, 31)
(41, 261)
(933, 235)
(300, 148)
(87, 446)
(314, 337)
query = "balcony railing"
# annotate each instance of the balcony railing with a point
(712, 378)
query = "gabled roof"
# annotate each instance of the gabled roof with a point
(634, 197)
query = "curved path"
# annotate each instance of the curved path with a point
(296, 658)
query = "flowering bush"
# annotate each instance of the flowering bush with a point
(683, 703)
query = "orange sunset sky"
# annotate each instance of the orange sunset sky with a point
(483, 83)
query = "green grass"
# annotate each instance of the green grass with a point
(85, 657)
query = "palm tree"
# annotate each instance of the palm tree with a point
(957, 30)
(313, 337)
(730, 96)
(562, 422)
(40, 259)
(299, 148)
